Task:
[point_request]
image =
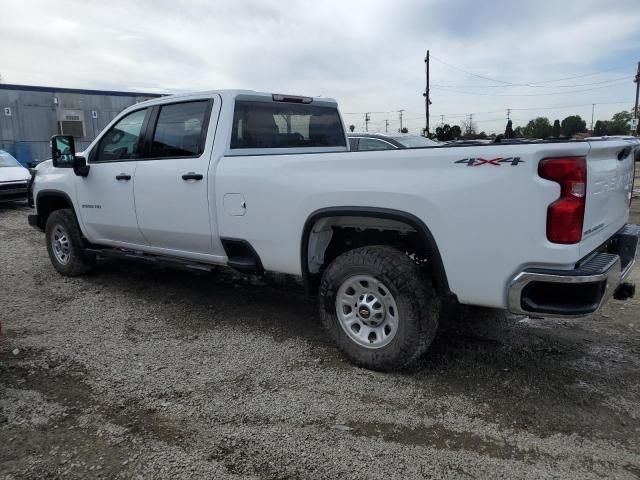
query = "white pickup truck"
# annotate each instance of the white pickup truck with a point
(266, 183)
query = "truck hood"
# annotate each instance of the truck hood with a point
(12, 174)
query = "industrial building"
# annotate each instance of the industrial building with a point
(29, 115)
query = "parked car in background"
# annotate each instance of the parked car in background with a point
(359, 142)
(14, 178)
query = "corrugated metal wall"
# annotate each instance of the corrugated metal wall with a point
(33, 117)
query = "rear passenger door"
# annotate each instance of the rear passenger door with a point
(172, 183)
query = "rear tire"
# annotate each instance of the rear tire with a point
(64, 244)
(379, 307)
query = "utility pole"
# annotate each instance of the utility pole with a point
(508, 114)
(593, 108)
(470, 125)
(635, 109)
(442, 120)
(400, 112)
(367, 119)
(427, 101)
(386, 126)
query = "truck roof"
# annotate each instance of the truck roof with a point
(231, 94)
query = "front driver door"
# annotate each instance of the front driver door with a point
(105, 196)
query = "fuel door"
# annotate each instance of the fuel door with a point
(234, 204)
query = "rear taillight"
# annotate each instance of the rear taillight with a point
(565, 216)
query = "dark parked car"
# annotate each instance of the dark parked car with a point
(382, 141)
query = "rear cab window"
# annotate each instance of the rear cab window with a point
(265, 124)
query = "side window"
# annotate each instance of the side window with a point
(178, 132)
(373, 144)
(353, 144)
(122, 141)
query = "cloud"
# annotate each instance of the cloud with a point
(367, 54)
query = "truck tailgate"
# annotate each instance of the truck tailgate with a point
(610, 171)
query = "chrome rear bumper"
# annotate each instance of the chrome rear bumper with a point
(577, 292)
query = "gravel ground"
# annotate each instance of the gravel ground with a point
(138, 372)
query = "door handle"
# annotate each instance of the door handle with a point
(123, 176)
(192, 176)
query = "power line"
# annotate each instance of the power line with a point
(530, 94)
(470, 73)
(538, 86)
(583, 75)
(362, 113)
(530, 83)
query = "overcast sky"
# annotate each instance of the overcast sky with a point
(369, 55)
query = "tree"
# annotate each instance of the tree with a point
(538, 128)
(600, 128)
(556, 131)
(352, 127)
(469, 129)
(446, 132)
(443, 132)
(508, 132)
(481, 136)
(517, 133)
(404, 130)
(619, 124)
(573, 124)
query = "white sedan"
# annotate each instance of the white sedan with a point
(14, 179)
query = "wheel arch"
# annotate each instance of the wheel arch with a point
(48, 201)
(423, 232)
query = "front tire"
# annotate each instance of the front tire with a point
(379, 308)
(64, 244)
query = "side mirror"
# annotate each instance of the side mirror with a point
(63, 155)
(80, 167)
(63, 151)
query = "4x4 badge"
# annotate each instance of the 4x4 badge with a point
(476, 162)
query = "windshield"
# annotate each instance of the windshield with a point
(414, 141)
(6, 160)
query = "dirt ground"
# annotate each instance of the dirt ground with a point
(137, 372)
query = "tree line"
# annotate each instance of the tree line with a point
(541, 127)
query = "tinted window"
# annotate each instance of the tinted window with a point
(373, 144)
(353, 143)
(282, 125)
(122, 140)
(178, 132)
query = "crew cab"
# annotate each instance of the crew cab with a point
(387, 239)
